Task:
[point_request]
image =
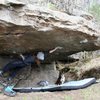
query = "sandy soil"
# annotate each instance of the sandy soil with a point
(89, 93)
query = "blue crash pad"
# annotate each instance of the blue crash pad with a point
(72, 85)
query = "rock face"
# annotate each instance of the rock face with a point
(85, 69)
(44, 73)
(27, 28)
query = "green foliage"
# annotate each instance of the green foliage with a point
(95, 10)
(51, 6)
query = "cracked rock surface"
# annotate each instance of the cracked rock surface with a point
(27, 28)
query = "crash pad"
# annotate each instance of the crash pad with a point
(72, 85)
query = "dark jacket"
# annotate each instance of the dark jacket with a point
(19, 63)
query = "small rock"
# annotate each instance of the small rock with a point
(43, 83)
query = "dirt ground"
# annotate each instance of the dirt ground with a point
(90, 93)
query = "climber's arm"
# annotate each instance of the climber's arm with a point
(53, 50)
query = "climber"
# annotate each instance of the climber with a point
(22, 62)
(25, 61)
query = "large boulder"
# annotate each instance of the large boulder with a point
(27, 28)
(84, 69)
